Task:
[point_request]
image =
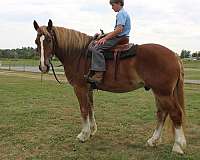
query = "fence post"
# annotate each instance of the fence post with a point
(9, 66)
(24, 67)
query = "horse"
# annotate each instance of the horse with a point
(154, 66)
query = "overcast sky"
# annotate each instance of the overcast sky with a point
(172, 23)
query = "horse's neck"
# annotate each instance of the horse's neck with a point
(74, 63)
(70, 49)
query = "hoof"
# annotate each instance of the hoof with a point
(83, 136)
(151, 143)
(177, 149)
(93, 130)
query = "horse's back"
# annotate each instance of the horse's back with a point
(155, 50)
(155, 54)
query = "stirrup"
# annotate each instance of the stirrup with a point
(90, 80)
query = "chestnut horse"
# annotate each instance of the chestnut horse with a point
(154, 66)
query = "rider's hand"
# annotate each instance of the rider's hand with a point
(101, 41)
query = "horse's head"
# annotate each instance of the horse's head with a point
(45, 42)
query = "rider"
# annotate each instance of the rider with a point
(121, 30)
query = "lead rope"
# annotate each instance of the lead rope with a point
(54, 73)
(41, 77)
(54, 46)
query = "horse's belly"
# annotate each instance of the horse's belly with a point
(120, 86)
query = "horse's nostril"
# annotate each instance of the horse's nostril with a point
(44, 69)
(48, 67)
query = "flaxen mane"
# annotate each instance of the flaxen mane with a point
(73, 41)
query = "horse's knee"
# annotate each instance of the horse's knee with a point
(161, 115)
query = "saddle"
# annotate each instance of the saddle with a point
(122, 50)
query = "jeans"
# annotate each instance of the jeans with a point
(98, 60)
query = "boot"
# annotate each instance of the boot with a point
(88, 75)
(96, 78)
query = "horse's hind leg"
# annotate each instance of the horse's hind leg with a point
(173, 107)
(93, 125)
(161, 116)
(82, 95)
(176, 114)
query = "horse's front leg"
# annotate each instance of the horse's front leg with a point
(82, 95)
(93, 125)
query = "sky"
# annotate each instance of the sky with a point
(172, 23)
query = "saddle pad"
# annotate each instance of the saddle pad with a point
(109, 55)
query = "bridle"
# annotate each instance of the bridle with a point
(54, 42)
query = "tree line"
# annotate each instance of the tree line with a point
(188, 54)
(30, 53)
(23, 53)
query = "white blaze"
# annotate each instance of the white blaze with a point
(42, 51)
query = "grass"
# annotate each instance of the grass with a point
(191, 64)
(193, 74)
(40, 121)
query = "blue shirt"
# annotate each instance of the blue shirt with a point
(122, 18)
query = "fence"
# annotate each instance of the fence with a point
(25, 66)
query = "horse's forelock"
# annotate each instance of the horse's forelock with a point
(43, 30)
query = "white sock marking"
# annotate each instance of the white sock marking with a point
(180, 137)
(86, 125)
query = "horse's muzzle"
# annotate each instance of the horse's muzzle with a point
(44, 69)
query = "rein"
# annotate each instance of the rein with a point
(53, 53)
(54, 73)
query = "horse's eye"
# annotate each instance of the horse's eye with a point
(37, 42)
(48, 40)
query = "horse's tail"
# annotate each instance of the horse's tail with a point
(178, 94)
(180, 86)
(179, 91)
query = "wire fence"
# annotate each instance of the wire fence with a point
(26, 66)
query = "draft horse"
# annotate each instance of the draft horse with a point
(154, 66)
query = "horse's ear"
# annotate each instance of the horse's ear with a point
(35, 25)
(50, 25)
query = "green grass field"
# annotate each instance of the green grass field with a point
(191, 64)
(40, 121)
(193, 74)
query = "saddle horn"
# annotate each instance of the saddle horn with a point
(102, 32)
(50, 25)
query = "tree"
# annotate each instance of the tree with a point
(196, 55)
(25, 53)
(185, 54)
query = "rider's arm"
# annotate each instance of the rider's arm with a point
(110, 35)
